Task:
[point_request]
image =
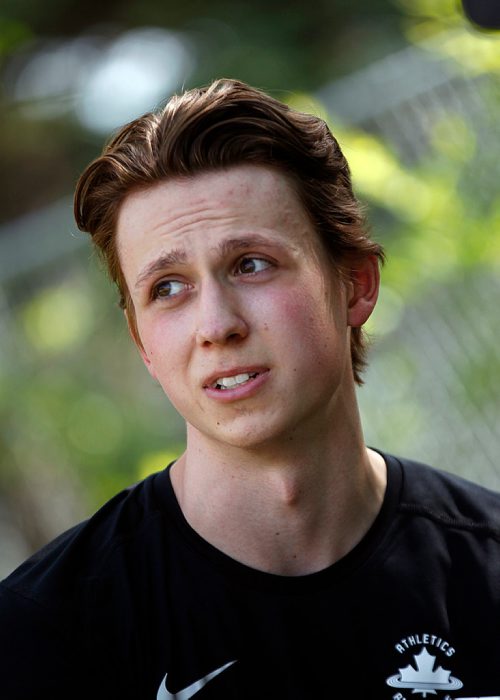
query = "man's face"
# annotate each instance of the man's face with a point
(240, 319)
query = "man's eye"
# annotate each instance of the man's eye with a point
(247, 266)
(168, 289)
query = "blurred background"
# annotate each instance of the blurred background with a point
(411, 88)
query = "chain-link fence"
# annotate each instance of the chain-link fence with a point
(432, 389)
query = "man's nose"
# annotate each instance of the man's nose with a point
(220, 318)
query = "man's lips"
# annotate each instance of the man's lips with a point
(225, 379)
(236, 384)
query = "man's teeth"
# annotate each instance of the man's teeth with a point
(229, 382)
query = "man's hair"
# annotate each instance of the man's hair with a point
(224, 124)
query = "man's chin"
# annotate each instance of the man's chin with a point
(241, 435)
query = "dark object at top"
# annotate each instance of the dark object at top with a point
(483, 13)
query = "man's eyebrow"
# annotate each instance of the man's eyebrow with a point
(230, 245)
(174, 257)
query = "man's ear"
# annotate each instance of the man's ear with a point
(362, 291)
(134, 334)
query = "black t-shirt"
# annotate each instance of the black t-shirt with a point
(133, 604)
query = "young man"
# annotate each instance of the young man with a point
(278, 557)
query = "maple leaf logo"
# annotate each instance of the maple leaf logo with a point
(424, 672)
(424, 679)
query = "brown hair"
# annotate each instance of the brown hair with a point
(228, 123)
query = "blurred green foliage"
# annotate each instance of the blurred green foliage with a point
(69, 353)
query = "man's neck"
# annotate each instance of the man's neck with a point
(284, 511)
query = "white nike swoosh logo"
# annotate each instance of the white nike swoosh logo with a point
(186, 693)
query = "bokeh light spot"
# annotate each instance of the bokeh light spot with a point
(57, 318)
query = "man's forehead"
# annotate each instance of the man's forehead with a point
(212, 187)
(240, 198)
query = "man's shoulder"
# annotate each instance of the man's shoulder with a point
(66, 604)
(84, 553)
(449, 499)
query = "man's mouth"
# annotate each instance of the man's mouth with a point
(224, 383)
